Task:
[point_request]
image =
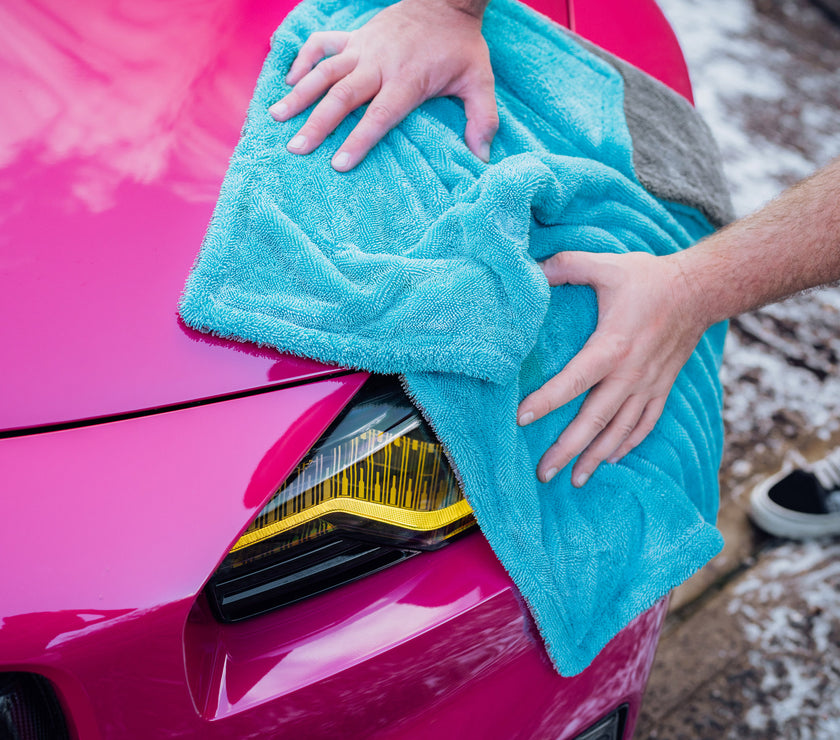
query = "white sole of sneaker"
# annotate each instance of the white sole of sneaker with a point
(783, 522)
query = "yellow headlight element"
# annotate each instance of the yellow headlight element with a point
(403, 481)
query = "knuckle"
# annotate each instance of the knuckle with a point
(307, 46)
(326, 67)
(620, 345)
(482, 78)
(311, 50)
(557, 260)
(625, 430)
(329, 69)
(380, 113)
(490, 123)
(580, 383)
(417, 83)
(599, 421)
(639, 375)
(312, 43)
(343, 92)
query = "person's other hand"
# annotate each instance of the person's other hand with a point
(646, 332)
(409, 52)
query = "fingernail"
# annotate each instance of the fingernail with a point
(484, 151)
(549, 474)
(279, 111)
(341, 161)
(526, 418)
(613, 459)
(297, 143)
(580, 479)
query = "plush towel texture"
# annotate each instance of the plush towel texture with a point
(421, 261)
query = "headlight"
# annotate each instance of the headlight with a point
(375, 489)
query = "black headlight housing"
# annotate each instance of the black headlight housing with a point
(375, 489)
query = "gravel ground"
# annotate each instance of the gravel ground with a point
(760, 660)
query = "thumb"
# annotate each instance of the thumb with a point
(573, 268)
(482, 116)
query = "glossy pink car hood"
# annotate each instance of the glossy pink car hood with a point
(117, 127)
(118, 123)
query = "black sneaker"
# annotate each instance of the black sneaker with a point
(801, 503)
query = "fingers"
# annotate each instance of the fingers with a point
(315, 48)
(604, 444)
(347, 87)
(598, 411)
(343, 97)
(644, 427)
(430, 49)
(642, 340)
(313, 86)
(385, 111)
(482, 116)
(587, 368)
(630, 426)
(603, 430)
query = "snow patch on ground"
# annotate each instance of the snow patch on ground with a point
(787, 607)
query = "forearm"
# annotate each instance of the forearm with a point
(790, 245)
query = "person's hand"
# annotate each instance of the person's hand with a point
(647, 329)
(409, 52)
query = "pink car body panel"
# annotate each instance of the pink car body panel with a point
(136, 450)
(114, 552)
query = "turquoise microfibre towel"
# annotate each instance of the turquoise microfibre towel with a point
(422, 261)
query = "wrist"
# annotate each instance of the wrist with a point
(473, 8)
(699, 305)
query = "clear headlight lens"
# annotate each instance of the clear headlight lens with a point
(375, 489)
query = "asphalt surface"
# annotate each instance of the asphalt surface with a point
(751, 647)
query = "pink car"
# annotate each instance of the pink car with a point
(174, 563)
